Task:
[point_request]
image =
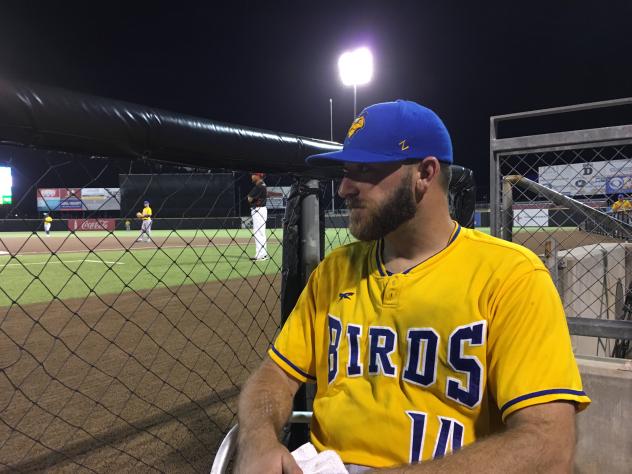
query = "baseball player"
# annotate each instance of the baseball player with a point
(431, 345)
(259, 213)
(47, 223)
(622, 207)
(145, 228)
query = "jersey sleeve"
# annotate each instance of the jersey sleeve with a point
(530, 354)
(293, 349)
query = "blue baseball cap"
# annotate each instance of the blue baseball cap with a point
(391, 132)
(145, 202)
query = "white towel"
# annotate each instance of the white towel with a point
(313, 462)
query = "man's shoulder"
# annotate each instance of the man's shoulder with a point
(488, 247)
(351, 252)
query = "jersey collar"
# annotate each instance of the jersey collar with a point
(379, 251)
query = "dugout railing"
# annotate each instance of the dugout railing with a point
(552, 193)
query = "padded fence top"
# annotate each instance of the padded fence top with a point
(57, 119)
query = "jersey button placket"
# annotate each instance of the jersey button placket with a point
(391, 291)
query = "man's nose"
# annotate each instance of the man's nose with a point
(347, 188)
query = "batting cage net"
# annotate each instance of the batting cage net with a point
(124, 337)
(567, 196)
(123, 348)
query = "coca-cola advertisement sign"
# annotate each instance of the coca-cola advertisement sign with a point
(91, 224)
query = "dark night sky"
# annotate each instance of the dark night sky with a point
(273, 64)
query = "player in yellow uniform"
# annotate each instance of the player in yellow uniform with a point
(622, 208)
(48, 220)
(145, 228)
(423, 338)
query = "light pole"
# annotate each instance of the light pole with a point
(331, 139)
(356, 69)
(331, 120)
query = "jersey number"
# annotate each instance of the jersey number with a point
(448, 439)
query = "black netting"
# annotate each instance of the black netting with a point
(120, 354)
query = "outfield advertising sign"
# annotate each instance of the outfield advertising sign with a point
(277, 196)
(530, 217)
(75, 225)
(78, 199)
(619, 184)
(585, 179)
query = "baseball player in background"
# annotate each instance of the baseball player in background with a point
(622, 208)
(145, 228)
(257, 199)
(432, 346)
(48, 220)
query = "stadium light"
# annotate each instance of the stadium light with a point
(356, 69)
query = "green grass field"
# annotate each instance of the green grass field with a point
(40, 277)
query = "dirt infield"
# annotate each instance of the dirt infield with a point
(566, 238)
(39, 243)
(136, 382)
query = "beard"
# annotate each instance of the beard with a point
(374, 223)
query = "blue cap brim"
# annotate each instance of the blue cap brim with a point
(336, 158)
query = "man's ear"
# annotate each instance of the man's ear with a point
(426, 171)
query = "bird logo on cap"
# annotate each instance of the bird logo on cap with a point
(357, 124)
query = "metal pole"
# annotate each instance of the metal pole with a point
(331, 120)
(331, 138)
(506, 230)
(552, 262)
(310, 230)
(310, 250)
(494, 178)
(333, 196)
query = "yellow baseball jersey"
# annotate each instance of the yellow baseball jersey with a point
(414, 365)
(621, 205)
(146, 213)
(48, 219)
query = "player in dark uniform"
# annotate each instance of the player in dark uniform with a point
(257, 200)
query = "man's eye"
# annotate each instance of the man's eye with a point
(357, 170)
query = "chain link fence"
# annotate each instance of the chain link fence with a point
(121, 354)
(554, 193)
(123, 345)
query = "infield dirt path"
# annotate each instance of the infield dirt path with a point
(137, 382)
(38, 243)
